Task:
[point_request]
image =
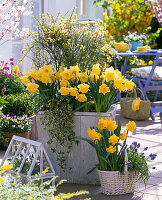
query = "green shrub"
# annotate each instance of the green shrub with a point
(59, 41)
(20, 104)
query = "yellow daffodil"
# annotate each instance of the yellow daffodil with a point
(113, 139)
(32, 87)
(118, 84)
(111, 149)
(83, 77)
(81, 97)
(104, 89)
(129, 85)
(96, 70)
(64, 83)
(45, 79)
(123, 136)
(33, 73)
(110, 74)
(75, 69)
(66, 74)
(46, 70)
(102, 123)
(24, 80)
(83, 88)
(73, 92)
(64, 91)
(130, 126)
(95, 136)
(136, 104)
(111, 125)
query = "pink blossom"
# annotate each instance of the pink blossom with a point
(3, 89)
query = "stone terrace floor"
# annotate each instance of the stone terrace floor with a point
(148, 133)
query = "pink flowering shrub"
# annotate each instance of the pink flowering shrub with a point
(9, 79)
(11, 12)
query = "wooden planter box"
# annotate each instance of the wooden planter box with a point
(10, 135)
(82, 157)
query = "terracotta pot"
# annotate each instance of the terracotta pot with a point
(10, 135)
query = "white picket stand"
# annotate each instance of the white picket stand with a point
(40, 152)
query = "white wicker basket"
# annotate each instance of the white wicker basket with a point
(115, 183)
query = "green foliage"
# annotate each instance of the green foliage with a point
(13, 188)
(139, 164)
(3, 141)
(14, 124)
(126, 15)
(63, 41)
(20, 104)
(59, 122)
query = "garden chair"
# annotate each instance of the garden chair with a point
(149, 78)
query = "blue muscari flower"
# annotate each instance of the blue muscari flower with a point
(141, 154)
(123, 152)
(135, 151)
(127, 150)
(152, 156)
(153, 167)
(131, 166)
(131, 147)
(134, 143)
(138, 145)
(128, 163)
(124, 143)
(145, 149)
(143, 157)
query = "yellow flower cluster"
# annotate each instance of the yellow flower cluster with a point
(107, 124)
(6, 167)
(131, 126)
(95, 136)
(127, 15)
(111, 149)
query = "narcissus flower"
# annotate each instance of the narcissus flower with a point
(81, 97)
(66, 74)
(32, 87)
(83, 88)
(111, 149)
(136, 104)
(83, 77)
(46, 70)
(94, 135)
(96, 70)
(64, 83)
(102, 123)
(110, 74)
(129, 85)
(73, 92)
(123, 136)
(45, 79)
(64, 91)
(111, 125)
(131, 126)
(75, 69)
(113, 139)
(24, 80)
(104, 89)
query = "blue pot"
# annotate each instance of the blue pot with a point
(135, 45)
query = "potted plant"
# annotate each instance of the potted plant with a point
(81, 96)
(119, 166)
(15, 125)
(135, 40)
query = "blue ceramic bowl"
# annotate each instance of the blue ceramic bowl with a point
(135, 44)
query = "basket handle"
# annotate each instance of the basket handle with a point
(126, 161)
(135, 93)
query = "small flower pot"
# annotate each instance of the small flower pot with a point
(10, 135)
(135, 44)
(116, 183)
